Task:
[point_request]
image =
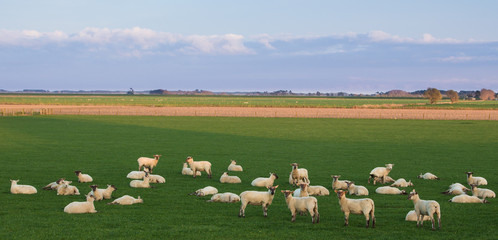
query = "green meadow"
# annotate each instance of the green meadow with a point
(40, 149)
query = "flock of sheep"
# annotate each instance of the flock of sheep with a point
(298, 201)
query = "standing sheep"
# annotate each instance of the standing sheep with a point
(363, 206)
(302, 205)
(476, 180)
(21, 189)
(381, 172)
(425, 208)
(357, 190)
(82, 207)
(188, 171)
(229, 179)
(148, 162)
(402, 183)
(234, 167)
(302, 191)
(82, 178)
(298, 174)
(199, 166)
(338, 184)
(257, 198)
(127, 200)
(264, 182)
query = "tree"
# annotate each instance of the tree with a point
(433, 95)
(453, 95)
(487, 94)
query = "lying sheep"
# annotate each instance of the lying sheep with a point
(101, 193)
(338, 184)
(482, 192)
(264, 182)
(381, 172)
(363, 206)
(188, 171)
(82, 178)
(412, 216)
(402, 183)
(302, 191)
(141, 183)
(82, 207)
(298, 174)
(136, 175)
(425, 208)
(234, 167)
(226, 197)
(385, 179)
(148, 162)
(209, 190)
(456, 189)
(199, 166)
(21, 189)
(389, 190)
(154, 178)
(229, 179)
(66, 189)
(53, 185)
(464, 198)
(357, 190)
(126, 200)
(257, 198)
(317, 190)
(476, 180)
(428, 176)
(302, 205)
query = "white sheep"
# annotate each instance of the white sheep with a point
(127, 200)
(302, 191)
(302, 205)
(381, 172)
(299, 174)
(199, 166)
(234, 167)
(82, 207)
(425, 208)
(102, 193)
(257, 198)
(456, 189)
(389, 190)
(338, 184)
(53, 185)
(402, 183)
(136, 175)
(229, 179)
(82, 178)
(482, 192)
(66, 189)
(412, 216)
(428, 176)
(464, 198)
(476, 180)
(264, 182)
(188, 171)
(154, 178)
(21, 189)
(363, 206)
(356, 189)
(317, 190)
(226, 197)
(141, 183)
(148, 162)
(385, 179)
(209, 190)
(291, 181)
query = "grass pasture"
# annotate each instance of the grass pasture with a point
(41, 149)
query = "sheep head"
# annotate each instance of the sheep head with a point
(272, 189)
(412, 195)
(189, 159)
(340, 193)
(287, 193)
(77, 172)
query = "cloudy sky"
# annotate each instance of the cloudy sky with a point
(303, 46)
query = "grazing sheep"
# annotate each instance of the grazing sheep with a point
(428, 176)
(389, 190)
(81, 207)
(291, 181)
(66, 189)
(21, 189)
(456, 189)
(141, 183)
(264, 182)
(464, 198)
(154, 178)
(53, 185)
(148, 162)
(317, 190)
(188, 171)
(338, 184)
(302, 191)
(298, 174)
(227, 197)
(386, 179)
(229, 179)
(425, 208)
(482, 192)
(476, 180)
(357, 190)
(257, 198)
(381, 172)
(205, 191)
(199, 166)
(234, 167)
(302, 205)
(126, 200)
(402, 183)
(363, 206)
(412, 216)
(101, 193)
(82, 178)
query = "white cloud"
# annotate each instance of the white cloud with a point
(455, 59)
(30, 38)
(380, 36)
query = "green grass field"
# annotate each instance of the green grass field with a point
(40, 149)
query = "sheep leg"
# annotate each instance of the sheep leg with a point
(367, 219)
(346, 219)
(265, 210)
(195, 172)
(293, 213)
(432, 222)
(242, 210)
(439, 220)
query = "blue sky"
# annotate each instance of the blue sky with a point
(303, 46)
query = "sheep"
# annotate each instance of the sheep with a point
(298, 174)
(257, 198)
(456, 189)
(136, 175)
(482, 192)
(338, 184)
(199, 166)
(356, 190)
(229, 179)
(21, 189)
(299, 182)
(464, 198)
(234, 167)
(53, 185)
(141, 183)
(425, 208)
(148, 162)
(209, 190)
(264, 182)
(82, 178)
(226, 197)
(318, 190)
(428, 176)
(82, 207)
(402, 183)
(188, 171)
(302, 191)
(363, 206)
(476, 180)
(381, 172)
(389, 190)
(126, 200)
(302, 205)
(412, 217)
(386, 179)
(101, 193)
(66, 189)
(154, 178)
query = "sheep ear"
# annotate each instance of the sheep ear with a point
(282, 191)
(335, 190)
(276, 186)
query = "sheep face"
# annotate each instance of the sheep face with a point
(389, 166)
(189, 160)
(233, 162)
(14, 181)
(157, 157)
(294, 166)
(303, 186)
(412, 195)
(469, 174)
(274, 174)
(77, 173)
(340, 193)
(94, 187)
(112, 186)
(287, 193)
(272, 189)
(410, 184)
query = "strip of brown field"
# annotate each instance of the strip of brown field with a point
(430, 114)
